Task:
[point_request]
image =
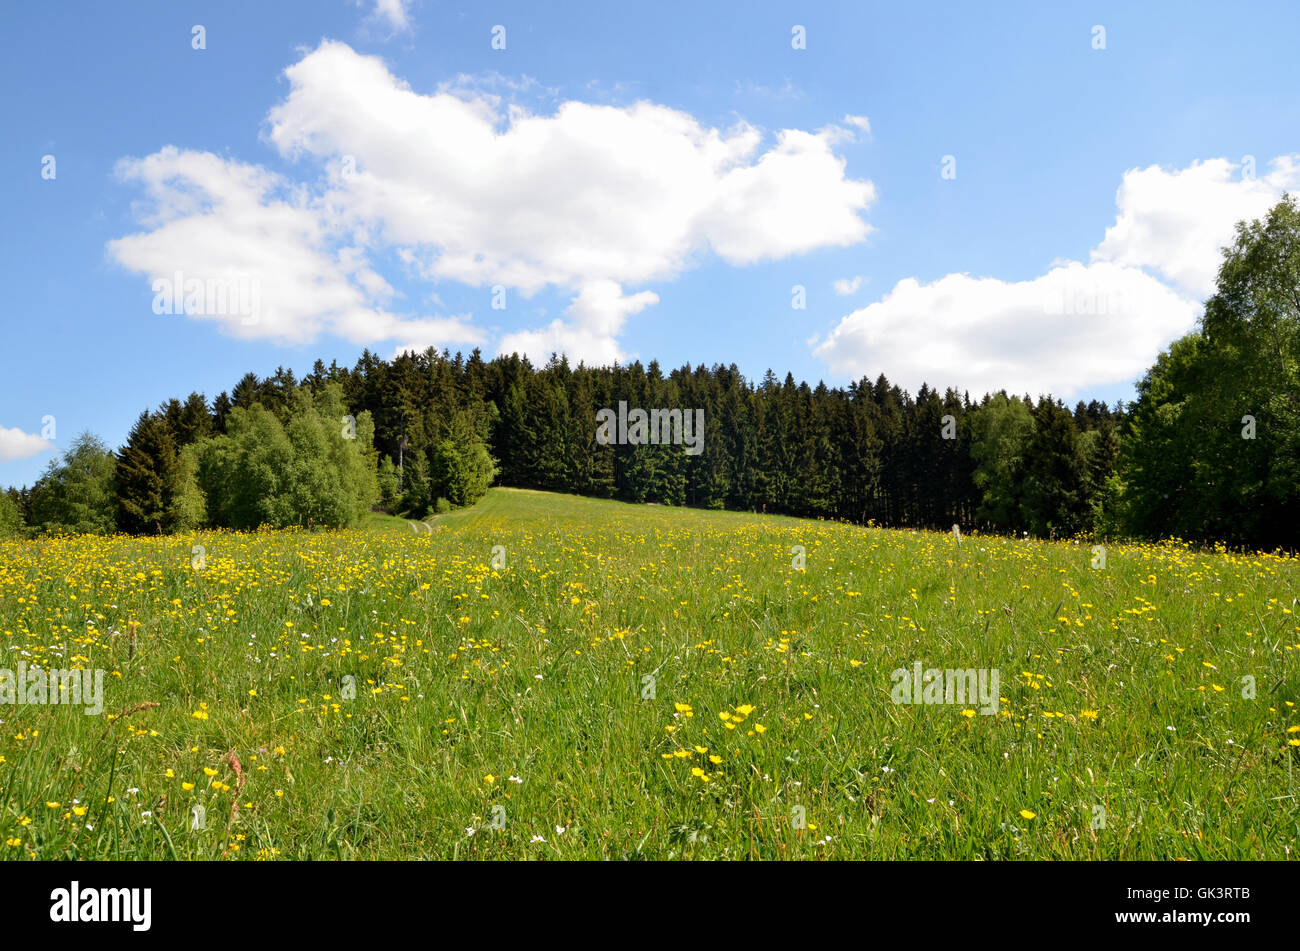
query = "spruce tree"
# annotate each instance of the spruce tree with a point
(147, 473)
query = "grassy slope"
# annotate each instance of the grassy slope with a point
(469, 676)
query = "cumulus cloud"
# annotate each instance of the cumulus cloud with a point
(16, 444)
(1072, 327)
(589, 200)
(1078, 325)
(847, 285)
(590, 335)
(592, 192)
(269, 261)
(1175, 222)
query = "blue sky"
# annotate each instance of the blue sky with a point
(723, 169)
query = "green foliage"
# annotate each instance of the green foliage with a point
(1159, 454)
(189, 509)
(869, 452)
(1055, 469)
(76, 494)
(417, 487)
(388, 483)
(1002, 429)
(11, 517)
(1213, 449)
(311, 472)
(148, 476)
(188, 421)
(1109, 508)
(244, 472)
(462, 468)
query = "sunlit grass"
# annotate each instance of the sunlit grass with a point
(506, 713)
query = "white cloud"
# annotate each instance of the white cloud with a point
(1076, 326)
(1175, 222)
(597, 316)
(588, 200)
(793, 200)
(847, 285)
(16, 444)
(395, 15)
(859, 122)
(592, 192)
(419, 335)
(216, 220)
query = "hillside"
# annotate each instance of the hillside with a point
(643, 680)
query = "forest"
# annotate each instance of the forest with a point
(1208, 452)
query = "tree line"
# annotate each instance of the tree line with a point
(1209, 451)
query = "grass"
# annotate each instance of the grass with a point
(506, 712)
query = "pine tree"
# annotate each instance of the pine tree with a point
(147, 474)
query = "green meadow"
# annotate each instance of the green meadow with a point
(542, 676)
